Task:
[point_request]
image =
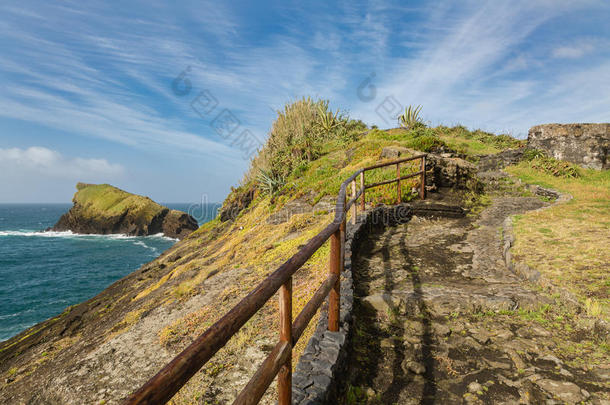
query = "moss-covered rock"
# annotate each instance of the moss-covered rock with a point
(104, 209)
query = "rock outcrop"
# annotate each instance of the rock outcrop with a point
(104, 209)
(498, 161)
(442, 170)
(584, 144)
(236, 203)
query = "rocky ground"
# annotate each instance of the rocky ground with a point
(439, 319)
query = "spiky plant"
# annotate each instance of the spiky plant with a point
(270, 183)
(411, 118)
(327, 120)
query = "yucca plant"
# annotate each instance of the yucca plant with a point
(270, 183)
(328, 121)
(411, 117)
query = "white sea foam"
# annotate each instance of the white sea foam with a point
(72, 235)
(140, 243)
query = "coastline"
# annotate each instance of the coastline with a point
(46, 272)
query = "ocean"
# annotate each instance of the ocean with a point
(42, 273)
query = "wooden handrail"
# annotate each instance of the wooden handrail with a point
(164, 385)
(382, 183)
(393, 162)
(310, 309)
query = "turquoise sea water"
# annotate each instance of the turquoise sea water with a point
(43, 273)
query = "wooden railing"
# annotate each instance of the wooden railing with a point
(162, 387)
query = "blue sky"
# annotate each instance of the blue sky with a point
(90, 91)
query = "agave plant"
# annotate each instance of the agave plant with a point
(270, 183)
(411, 117)
(328, 120)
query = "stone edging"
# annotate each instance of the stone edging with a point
(319, 365)
(322, 361)
(520, 268)
(527, 273)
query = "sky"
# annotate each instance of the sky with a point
(171, 100)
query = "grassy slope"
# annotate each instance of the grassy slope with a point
(269, 245)
(105, 200)
(569, 242)
(248, 249)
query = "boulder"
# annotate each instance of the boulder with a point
(500, 160)
(453, 172)
(178, 224)
(394, 152)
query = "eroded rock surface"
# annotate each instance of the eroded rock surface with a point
(585, 144)
(439, 319)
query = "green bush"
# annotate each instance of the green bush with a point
(270, 183)
(420, 138)
(531, 154)
(425, 143)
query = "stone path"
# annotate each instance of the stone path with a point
(440, 320)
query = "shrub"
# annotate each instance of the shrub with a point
(351, 130)
(531, 154)
(501, 142)
(298, 135)
(425, 143)
(270, 183)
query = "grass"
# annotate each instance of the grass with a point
(104, 200)
(476, 142)
(568, 243)
(257, 247)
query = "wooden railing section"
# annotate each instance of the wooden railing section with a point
(162, 387)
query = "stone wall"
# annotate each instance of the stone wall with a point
(442, 170)
(584, 144)
(498, 161)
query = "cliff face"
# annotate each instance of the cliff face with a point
(104, 209)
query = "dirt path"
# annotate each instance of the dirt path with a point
(440, 320)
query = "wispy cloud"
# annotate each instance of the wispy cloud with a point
(476, 69)
(572, 52)
(90, 70)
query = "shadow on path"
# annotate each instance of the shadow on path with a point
(396, 327)
(427, 342)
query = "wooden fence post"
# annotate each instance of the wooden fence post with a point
(362, 206)
(398, 182)
(342, 240)
(355, 204)
(284, 377)
(334, 294)
(422, 192)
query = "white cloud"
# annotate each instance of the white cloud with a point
(44, 162)
(573, 52)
